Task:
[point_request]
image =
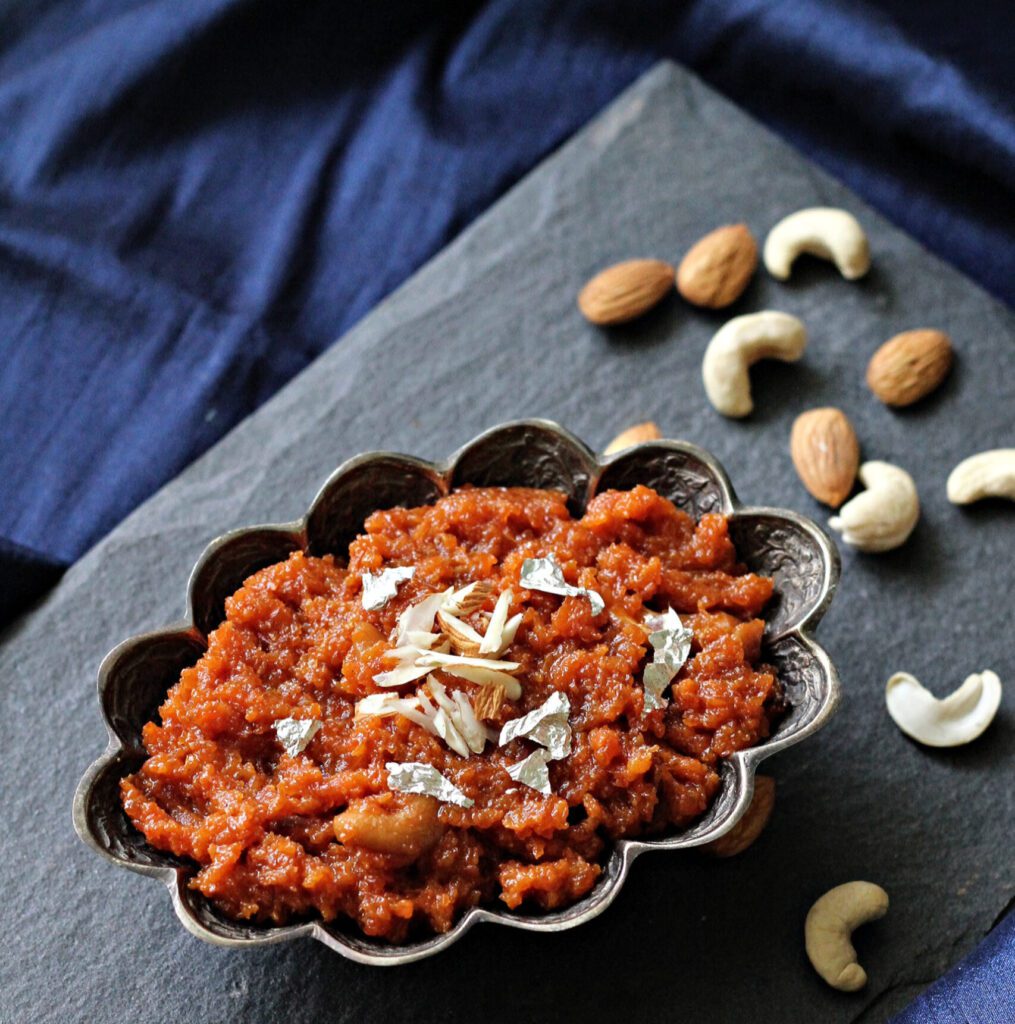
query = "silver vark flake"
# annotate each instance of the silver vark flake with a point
(295, 733)
(546, 725)
(671, 645)
(424, 779)
(545, 575)
(379, 588)
(533, 772)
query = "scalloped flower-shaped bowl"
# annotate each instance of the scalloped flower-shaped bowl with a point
(135, 676)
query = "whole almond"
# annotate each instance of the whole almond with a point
(625, 291)
(909, 366)
(647, 431)
(826, 454)
(751, 825)
(718, 267)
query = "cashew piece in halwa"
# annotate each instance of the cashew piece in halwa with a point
(987, 475)
(829, 927)
(737, 345)
(883, 516)
(822, 231)
(399, 824)
(956, 719)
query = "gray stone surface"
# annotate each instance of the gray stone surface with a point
(486, 332)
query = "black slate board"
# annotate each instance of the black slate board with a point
(486, 332)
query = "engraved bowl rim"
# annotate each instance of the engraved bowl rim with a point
(741, 765)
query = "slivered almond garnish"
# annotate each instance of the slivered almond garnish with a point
(448, 715)
(469, 598)
(418, 650)
(401, 675)
(464, 639)
(494, 638)
(486, 677)
(418, 618)
(439, 660)
(381, 705)
(510, 630)
(484, 671)
(417, 638)
(488, 701)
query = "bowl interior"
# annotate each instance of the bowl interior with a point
(135, 677)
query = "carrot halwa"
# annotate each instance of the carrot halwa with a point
(279, 836)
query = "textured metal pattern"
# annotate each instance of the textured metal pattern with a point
(135, 676)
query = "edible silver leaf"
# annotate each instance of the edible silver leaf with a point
(546, 725)
(671, 645)
(671, 641)
(654, 681)
(379, 588)
(424, 779)
(533, 771)
(545, 575)
(295, 733)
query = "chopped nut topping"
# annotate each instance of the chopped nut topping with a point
(493, 641)
(464, 639)
(419, 649)
(488, 701)
(418, 618)
(449, 716)
(381, 705)
(469, 599)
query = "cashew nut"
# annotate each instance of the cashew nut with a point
(987, 475)
(738, 344)
(883, 516)
(819, 231)
(404, 826)
(830, 925)
(958, 718)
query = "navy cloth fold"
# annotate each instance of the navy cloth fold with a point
(197, 198)
(979, 990)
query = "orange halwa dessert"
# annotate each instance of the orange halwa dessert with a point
(282, 829)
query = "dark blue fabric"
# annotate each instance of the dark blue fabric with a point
(980, 990)
(198, 196)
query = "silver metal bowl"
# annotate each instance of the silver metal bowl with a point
(135, 676)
